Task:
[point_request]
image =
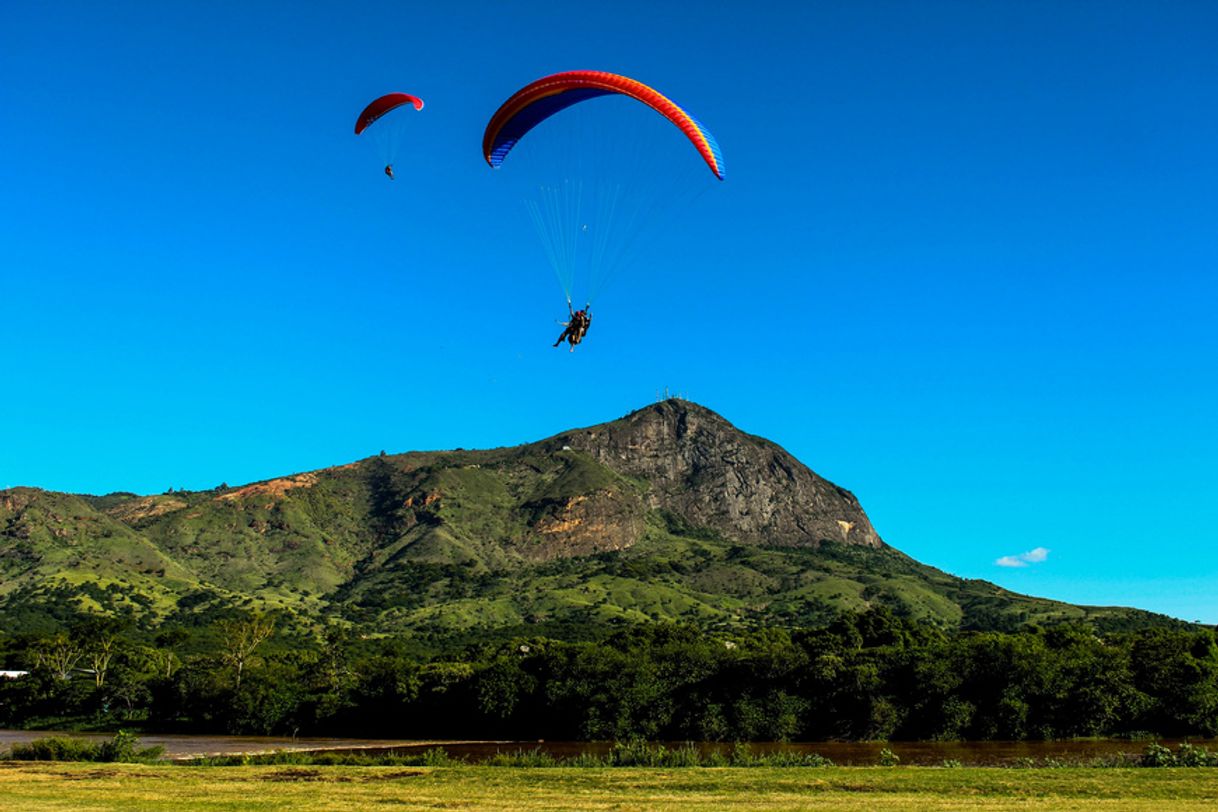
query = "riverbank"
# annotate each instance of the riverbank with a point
(185, 746)
(1078, 752)
(30, 786)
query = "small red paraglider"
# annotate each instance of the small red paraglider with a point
(386, 104)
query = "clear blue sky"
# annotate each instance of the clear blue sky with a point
(964, 262)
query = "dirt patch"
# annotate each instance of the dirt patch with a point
(91, 775)
(309, 774)
(302, 775)
(394, 776)
(146, 508)
(275, 488)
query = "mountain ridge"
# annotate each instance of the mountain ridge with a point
(668, 513)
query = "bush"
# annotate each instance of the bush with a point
(1156, 755)
(742, 755)
(55, 748)
(684, 756)
(635, 753)
(1048, 762)
(522, 758)
(123, 747)
(437, 757)
(1186, 755)
(586, 760)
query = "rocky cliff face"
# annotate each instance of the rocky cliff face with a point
(599, 522)
(704, 469)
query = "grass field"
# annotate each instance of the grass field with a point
(82, 787)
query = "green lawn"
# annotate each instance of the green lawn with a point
(82, 787)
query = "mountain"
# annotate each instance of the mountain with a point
(669, 513)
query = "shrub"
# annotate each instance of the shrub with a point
(586, 760)
(684, 756)
(437, 757)
(55, 748)
(1188, 755)
(522, 758)
(123, 747)
(635, 753)
(786, 758)
(742, 755)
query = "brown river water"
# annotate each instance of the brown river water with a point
(180, 746)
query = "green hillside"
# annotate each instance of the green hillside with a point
(667, 514)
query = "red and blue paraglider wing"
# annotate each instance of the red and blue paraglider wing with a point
(378, 108)
(536, 102)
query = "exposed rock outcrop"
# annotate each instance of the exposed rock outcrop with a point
(599, 522)
(712, 474)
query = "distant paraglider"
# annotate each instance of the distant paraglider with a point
(388, 134)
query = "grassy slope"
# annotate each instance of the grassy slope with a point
(137, 787)
(54, 541)
(442, 542)
(719, 584)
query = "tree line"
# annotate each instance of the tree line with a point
(869, 676)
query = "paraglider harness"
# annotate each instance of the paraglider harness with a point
(577, 327)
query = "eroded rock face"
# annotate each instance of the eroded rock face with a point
(146, 507)
(599, 522)
(712, 474)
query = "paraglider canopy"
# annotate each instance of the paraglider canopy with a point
(597, 170)
(378, 108)
(536, 102)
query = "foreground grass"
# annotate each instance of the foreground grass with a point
(54, 786)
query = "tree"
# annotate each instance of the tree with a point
(1178, 670)
(164, 657)
(239, 638)
(59, 654)
(99, 638)
(127, 684)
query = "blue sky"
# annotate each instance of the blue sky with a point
(963, 262)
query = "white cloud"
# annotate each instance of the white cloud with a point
(1034, 556)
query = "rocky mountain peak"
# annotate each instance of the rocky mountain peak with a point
(714, 475)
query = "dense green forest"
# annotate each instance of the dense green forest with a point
(869, 675)
(663, 576)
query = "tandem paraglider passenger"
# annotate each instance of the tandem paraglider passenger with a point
(389, 171)
(576, 328)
